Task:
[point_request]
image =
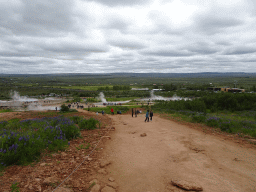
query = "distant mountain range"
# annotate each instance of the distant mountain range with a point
(158, 75)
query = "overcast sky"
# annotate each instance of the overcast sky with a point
(97, 36)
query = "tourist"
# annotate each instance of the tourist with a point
(151, 115)
(132, 112)
(135, 112)
(147, 118)
(112, 111)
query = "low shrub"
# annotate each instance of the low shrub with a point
(88, 124)
(64, 108)
(212, 121)
(76, 119)
(198, 118)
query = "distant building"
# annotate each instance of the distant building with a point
(232, 90)
(140, 89)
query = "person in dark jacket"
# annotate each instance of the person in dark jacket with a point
(151, 115)
(132, 112)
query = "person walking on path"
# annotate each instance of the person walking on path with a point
(147, 118)
(151, 115)
(112, 111)
(135, 112)
(132, 112)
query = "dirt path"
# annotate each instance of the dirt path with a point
(173, 151)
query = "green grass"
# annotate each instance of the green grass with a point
(241, 123)
(87, 88)
(6, 110)
(15, 188)
(121, 99)
(107, 110)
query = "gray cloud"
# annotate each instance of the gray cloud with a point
(217, 19)
(201, 48)
(37, 18)
(166, 52)
(240, 50)
(113, 3)
(88, 36)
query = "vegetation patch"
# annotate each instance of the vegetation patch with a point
(23, 141)
(107, 110)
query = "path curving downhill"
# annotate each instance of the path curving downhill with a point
(173, 151)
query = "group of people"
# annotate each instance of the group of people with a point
(76, 104)
(148, 114)
(135, 111)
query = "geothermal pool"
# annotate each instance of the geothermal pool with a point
(23, 103)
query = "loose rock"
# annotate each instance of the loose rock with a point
(93, 181)
(143, 135)
(106, 137)
(95, 188)
(37, 179)
(63, 154)
(104, 163)
(103, 171)
(111, 179)
(108, 189)
(189, 186)
(62, 189)
(112, 184)
(49, 180)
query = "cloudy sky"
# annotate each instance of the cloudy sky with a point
(98, 36)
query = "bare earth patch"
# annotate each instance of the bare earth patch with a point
(172, 156)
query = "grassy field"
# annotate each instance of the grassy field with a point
(107, 110)
(87, 88)
(240, 123)
(6, 110)
(121, 99)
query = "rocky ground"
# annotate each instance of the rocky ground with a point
(53, 169)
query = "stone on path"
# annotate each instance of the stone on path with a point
(189, 186)
(112, 184)
(143, 134)
(62, 189)
(111, 179)
(108, 189)
(104, 163)
(49, 180)
(63, 154)
(95, 188)
(103, 171)
(93, 181)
